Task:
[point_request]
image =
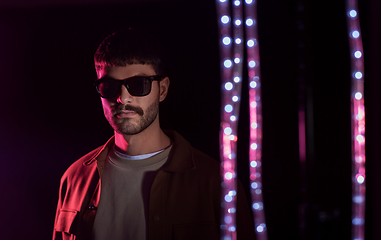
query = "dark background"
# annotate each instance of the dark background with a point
(51, 115)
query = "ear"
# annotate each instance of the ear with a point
(164, 86)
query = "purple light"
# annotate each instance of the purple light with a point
(352, 13)
(249, 22)
(358, 122)
(232, 34)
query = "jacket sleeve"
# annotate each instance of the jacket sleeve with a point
(58, 235)
(64, 218)
(79, 185)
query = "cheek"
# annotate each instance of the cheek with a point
(155, 93)
(106, 105)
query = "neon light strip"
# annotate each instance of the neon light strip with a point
(255, 118)
(358, 122)
(229, 117)
(231, 76)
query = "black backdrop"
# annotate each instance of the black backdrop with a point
(51, 115)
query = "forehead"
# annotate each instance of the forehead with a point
(122, 72)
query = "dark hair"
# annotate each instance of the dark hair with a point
(131, 46)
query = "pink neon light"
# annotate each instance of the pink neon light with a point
(302, 136)
(229, 113)
(255, 153)
(231, 75)
(358, 121)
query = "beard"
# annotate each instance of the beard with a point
(133, 126)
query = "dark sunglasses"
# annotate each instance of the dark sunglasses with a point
(138, 86)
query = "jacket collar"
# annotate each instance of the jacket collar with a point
(180, 159)
(101, 153)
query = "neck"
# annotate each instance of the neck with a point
(150, 140)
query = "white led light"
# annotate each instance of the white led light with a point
(357, 199)
(359, 117)
(254, 185)
(250, 43)
(252, 63)
(254, 125)
(228, 63)
(249, 1)
(228, 131)
(237, 79)
(358, 159)
(360, 179)
(358, 95)
(232, 229)
(253, 84)
(358, 75)
(353, 13)
(360, 138)
(225, 19)
(260, 228)
(233, 118)
(226, 40)
(238, 41)
(231, 210)
(235, 98)
(258, 191)
(237, 22)
(237, 60)
(254, 146)
(355, 34)
(253, 164)
(258, 206)
(228, 86)
(228, 108)
(249, 22)
(253, 104)
(228, 219)
(228, 175)
(357, 221)
(231, 137)
(222, 1)
(232, 193)
(358, 54)
(228, 198)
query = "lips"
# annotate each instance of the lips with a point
(128, 109)
(125, 114)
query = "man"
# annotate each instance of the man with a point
(144, 183)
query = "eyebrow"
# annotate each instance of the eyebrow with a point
(137, 75)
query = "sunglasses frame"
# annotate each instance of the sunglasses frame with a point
(124, 82)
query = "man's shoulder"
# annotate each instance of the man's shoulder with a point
(192, 158)
(204, 159)
(205, 165)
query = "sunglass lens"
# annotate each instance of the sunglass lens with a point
(139, 86)
(109, 88)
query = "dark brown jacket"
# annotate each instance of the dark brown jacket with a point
(184, 199)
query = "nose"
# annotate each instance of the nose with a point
(124, 96)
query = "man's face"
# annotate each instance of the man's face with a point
(127, 114)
